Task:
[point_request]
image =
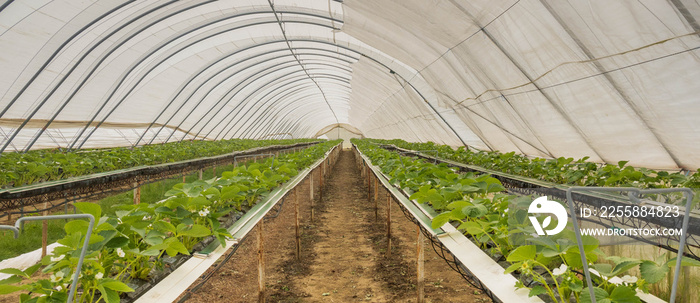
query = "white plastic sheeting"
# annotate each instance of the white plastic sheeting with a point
(613, 80)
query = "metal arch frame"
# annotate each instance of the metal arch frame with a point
(143, 59)
(268, 108)
(58, 50)
(272, 82)
(264, 115)
(193, 77)
(281, 86)
(217, 103)
(257, 55)
(272, 124)
(65, 77)
(229, 99)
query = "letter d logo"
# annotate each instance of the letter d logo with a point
(543, 206)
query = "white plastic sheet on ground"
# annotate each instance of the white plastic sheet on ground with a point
(613, 80)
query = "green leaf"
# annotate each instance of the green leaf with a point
(11, 280)
(117, 242)
(115, 285)
(599, 293)
(89, 208)
(624, 294)
(653, 272)
(513, 267)
(441, 219)
(8, 289)
(684, 262)
(164, 226)
(196, 231)
(110, 296)
(525, 252)
(76, 226)
(175, 247)
(13, 271)
(537, 290)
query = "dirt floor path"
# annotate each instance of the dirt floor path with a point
(343, 255)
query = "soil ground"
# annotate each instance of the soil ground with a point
(343, 256)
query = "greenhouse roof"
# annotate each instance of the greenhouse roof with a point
(612, 80)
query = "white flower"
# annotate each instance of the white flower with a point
(120, 253)
(146, 218)
(560, 271)
(204, 212)
(505, 210)
(58, 276)
(629, 279)
(99, 275)
(119, 220)
(59, 288)
(56, 259)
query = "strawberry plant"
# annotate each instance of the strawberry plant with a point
(131, 244)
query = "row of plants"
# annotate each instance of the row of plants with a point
(133, 243)
(562, 170)
(17, 169)
(550, 267)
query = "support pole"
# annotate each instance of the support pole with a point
(388, 226)
(296, 219)
(184, 178)
(213, 170)
(311, 194)
(201, 173)
(137, 193)
(420, 266)
(44, 231)
(320, 185)
(369, 185)
(261, 264)
(376, 188)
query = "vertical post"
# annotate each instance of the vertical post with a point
(311, 194)
(296, 218)
(261, 264)
(320, 185)
(369, 185)
(376, 187)
(201, 173)
(184, 178)
(44, 231)
(388, 226)
(137, 193)
(420, 266)
(213, 170)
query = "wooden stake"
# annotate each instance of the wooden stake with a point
(296, 215)
(137, 193)
(320, 186)
(388, 226)
(311, 195)
(201, 172)
(44, 231)
(369, 186)
(261, 264)
(213, 170)
(420, 266)
(184, 178)
(376, 188)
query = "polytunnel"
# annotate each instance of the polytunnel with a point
(545, 96)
